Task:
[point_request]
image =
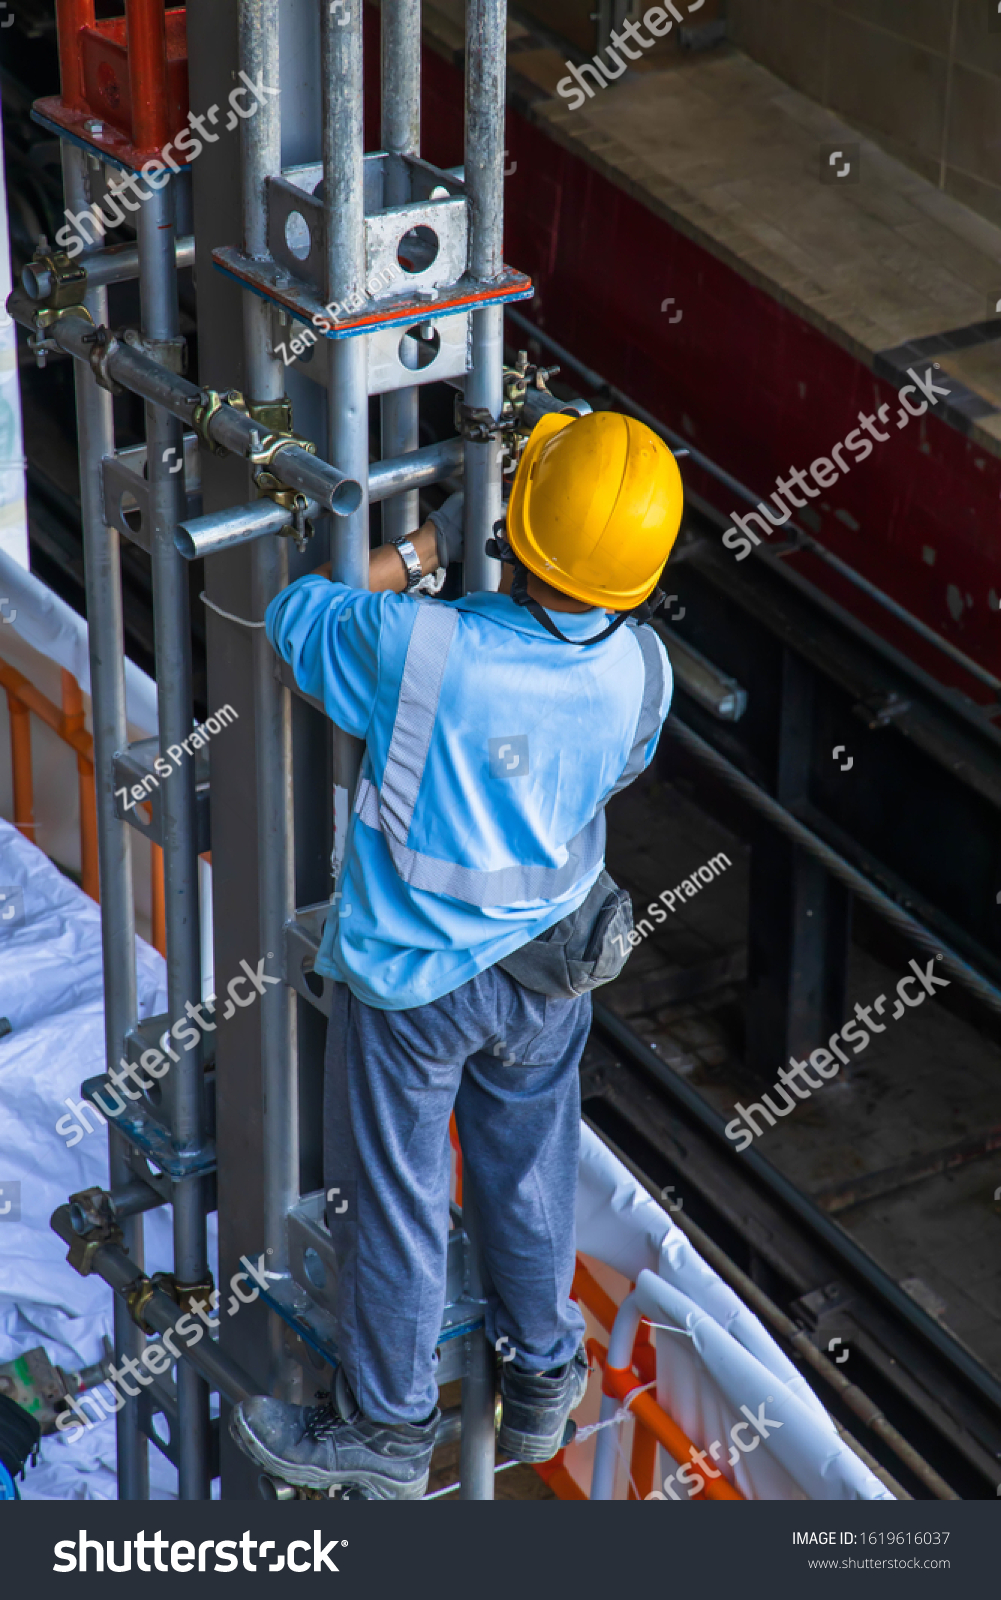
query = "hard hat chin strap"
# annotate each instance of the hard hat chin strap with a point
(500, 550)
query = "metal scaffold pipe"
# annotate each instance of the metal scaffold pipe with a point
(344, 276)
(225, 426)
(486, 75)
(261, 158)
(103, 581)
(198, 537)
(185, 1091)
(117, 264)
(401, 135)
(203, 1359)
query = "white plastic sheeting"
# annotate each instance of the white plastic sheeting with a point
(51, 991)
(715, 1361)
(55, 630)
(13, 512)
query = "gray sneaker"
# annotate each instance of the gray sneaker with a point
(537, 1406)
(333, 1446)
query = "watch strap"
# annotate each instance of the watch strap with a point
(412, 562)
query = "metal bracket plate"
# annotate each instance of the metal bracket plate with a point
(302, 942)
(303, 301)
(138, 791)
(305, 1300)
(140, 1128)
(126, 492)
(438, 227)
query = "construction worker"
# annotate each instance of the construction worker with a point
(472, 917)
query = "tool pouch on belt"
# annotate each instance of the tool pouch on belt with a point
(585, 949)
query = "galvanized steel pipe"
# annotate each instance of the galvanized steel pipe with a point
(103, 583)
(486, 74)
(401, 135)
(185, 1088)
(118, 263)
(301, 470)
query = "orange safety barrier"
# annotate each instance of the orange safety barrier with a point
(157, 901)
(651, 1420)
(68, 723)
(621, 1383)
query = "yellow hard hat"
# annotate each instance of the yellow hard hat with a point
(595, 507)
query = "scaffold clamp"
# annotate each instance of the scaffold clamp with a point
(94, 1224)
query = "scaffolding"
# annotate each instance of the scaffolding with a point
(389, 271)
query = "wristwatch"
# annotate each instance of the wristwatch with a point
(412, 562)
(417, 581)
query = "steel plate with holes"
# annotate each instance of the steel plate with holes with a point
(141, 1128)
(306, 1299)
(303, 302)
(423, 353)
(302, 942)
(134, 769)
(126, 494)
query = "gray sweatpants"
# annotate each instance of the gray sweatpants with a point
(506, 1059)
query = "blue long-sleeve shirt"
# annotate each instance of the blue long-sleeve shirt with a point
(490, 749)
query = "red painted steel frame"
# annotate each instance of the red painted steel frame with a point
(71, 16)
(129, 73)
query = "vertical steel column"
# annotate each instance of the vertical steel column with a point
(261, 155)
(486, 77)
(96, 438)
(476, 1450)
(146, 25)
(401, 135)
(186, 1080)
(71, 16)
(486, 74)
(799, 923)
(344, 223)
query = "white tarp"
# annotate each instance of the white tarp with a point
(29, 608)
(51, 991)
(716, 1363)
(13, 511)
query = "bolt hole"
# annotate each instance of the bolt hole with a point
(418, 249)
(312, 980)
(128, 510)
(312, 1266)
(297, 235)
(160, 1428)
(419, 346)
